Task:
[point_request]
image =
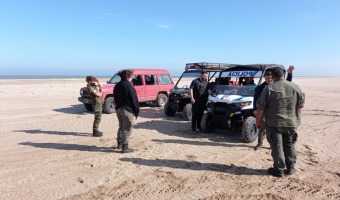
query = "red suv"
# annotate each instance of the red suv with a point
(152, 85)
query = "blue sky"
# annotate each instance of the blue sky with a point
(99, 37)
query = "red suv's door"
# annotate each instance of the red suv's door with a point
(151, 87)
(139, 84)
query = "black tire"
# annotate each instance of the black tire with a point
(168, 110)
(161, 100)
(249, 131)
(109, 105)
(187, 112)
(206, 123)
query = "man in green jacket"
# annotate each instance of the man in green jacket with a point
(280, 103)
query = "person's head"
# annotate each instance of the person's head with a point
(204, 75)
(249, 79)
(125, 74)
(268, 77)
(91, 79)
(277, 73)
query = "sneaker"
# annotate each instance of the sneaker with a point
(290, 171)
(275, 172)
(193, 131)
(97, 134)
(257, 147)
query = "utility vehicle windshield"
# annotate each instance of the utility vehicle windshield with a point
(235, 90)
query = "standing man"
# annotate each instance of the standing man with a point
(198, 100)
(94, 90)
(127, 109)
(281, 101)
(258, 90)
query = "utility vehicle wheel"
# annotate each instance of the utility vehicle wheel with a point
(249, 131)
(88, 107)
(206, 123)
(109, 105)
(161, 100)
(187, 112)
(168, 110)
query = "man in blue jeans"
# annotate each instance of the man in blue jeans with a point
(281, 103)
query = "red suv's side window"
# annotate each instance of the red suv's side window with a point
(137, 80)
(164, 79)
(151, 80)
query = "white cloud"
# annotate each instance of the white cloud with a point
(163, 26)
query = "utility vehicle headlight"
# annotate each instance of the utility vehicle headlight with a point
(247, 103)
(243, 104)
(81, 92)
(210, 101)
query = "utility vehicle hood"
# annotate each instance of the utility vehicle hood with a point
(230, 98)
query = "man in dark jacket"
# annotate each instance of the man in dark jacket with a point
(127, 109)
(198, 100)
(258, 90)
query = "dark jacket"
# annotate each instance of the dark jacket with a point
(259, 89)
(198, 86)
(125, 96)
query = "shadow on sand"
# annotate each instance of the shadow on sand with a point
(62, 146)
(194, 165)
(73, 109)
(38, 131)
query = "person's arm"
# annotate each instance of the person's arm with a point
(290, 73)
(133, 100)
(192, 86)
(259, 117)
(261, 105)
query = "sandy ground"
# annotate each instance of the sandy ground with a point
(47, 151)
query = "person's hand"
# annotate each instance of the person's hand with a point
(290, 69)
(258, 124)
(255, 112)
(192, 101)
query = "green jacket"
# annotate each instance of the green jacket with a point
(97, 101)
(281, 102)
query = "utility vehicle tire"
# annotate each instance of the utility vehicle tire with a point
(88, 107)
(161, 100)
(206, 123)
(187, 112)
(168, 110)
(249, 131)
(109, 105)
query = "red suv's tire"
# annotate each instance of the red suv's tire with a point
(109, 105)
(161, 100)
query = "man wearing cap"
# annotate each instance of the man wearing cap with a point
(258, 90)
(280, 103)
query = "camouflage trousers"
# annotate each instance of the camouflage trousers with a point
(282, 141)
(97, 115)
(126, 121)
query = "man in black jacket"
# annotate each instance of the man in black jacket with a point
(127, 109)
(258, 90)
(198, 100)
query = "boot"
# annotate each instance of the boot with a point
(97, 134)
(259, 146)
(120, 145)
(125, 149)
